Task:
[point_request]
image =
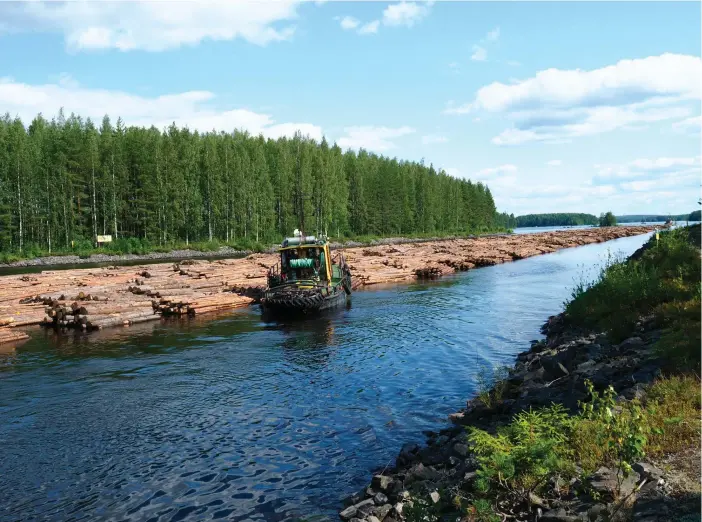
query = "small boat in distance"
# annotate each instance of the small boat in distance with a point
(307, 279)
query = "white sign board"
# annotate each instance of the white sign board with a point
(104, 239)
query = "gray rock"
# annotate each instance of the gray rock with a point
(365, 508)
(370, 491)
(631, 342)
(635, 392)
(597, 512)
(348, 513)
(443, 439)
(648, 471)
(535, 375)
(380, 499)
(422, 472)
(408, 453)
(538, 501)
(382, 511)
(381, 482)
(461, 449)
(586, 366)
(373, 519)
(644, 509)
(554, 369)
(435, 497)
(557, 515)
(604, 481)
(457, 418)
(397, 508)
(470, 476)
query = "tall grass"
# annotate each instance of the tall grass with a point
(663, 283)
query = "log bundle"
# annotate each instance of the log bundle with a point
(97, 298)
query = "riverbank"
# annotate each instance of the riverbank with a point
(94, 298)
(211, 250)
(598, 421)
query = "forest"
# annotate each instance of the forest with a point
(556, 220)
(65, 181)
(655, 218)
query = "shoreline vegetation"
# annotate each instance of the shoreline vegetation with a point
(136, 250)
(600, 421)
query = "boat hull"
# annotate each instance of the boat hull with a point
(302, 302)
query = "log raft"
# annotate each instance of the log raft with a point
(97, 298)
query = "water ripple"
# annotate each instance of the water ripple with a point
(239, 419)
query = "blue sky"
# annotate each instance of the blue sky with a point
(557, 106)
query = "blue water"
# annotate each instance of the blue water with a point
(238, 419)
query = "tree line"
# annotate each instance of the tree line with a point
(653, 218)
(556, 220)
(69, 180)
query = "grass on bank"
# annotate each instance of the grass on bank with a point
(540, 451)
(140, 246)
(663, 284)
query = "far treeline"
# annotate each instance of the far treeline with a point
(65, 181)
(556, 220)
(638, 218)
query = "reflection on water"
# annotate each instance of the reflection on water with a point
(241, 418)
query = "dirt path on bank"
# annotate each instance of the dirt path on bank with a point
(96, 298)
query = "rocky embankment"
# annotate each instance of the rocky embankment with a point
(554, 370)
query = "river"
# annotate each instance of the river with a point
(238, 419)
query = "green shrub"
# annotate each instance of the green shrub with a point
(492, 384)
(521, 456)
(667, 272)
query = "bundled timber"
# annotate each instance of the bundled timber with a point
(97, 298)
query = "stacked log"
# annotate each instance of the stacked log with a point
(177, 305)
(94, 316)
(115, 296)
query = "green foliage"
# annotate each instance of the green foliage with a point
(664, 281)
(66, 180)
(492, 384)
(565, 219)
(521, 456)
(695, 215)
(607, 220)
(623, 431)
(673, 414)
(482, 511)
(656, 218)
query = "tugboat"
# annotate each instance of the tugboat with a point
(307, 279)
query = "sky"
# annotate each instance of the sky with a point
(556, 106)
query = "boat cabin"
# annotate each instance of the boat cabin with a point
(305, 259)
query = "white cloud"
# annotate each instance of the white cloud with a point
(493, 35)
(349, 22)
(689, 125)
(195, 109)
(433, 138)
(376, 139)
(479, 54)
(647, 168)
(554, 163)
(453, 171)
(370, 27)
(557, 105)
(405, 13)
(153, 25)
(496, 171)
